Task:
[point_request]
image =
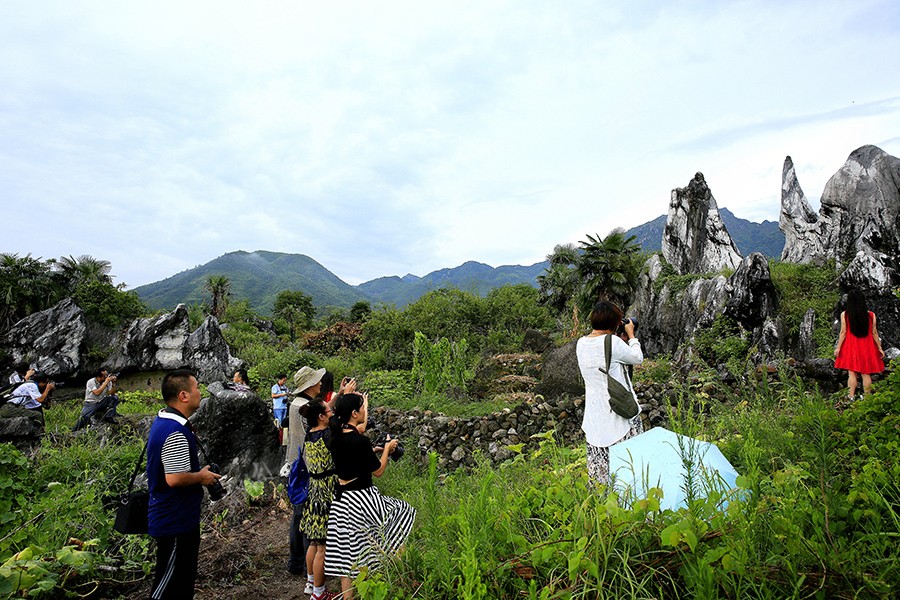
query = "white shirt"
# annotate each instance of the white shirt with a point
(27, 395)
(601, 425)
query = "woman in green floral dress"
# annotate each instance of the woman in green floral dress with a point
(314, 522)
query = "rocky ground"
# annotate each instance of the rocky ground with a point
(243, 555)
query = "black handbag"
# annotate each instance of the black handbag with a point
(131, 513)
(621, 400)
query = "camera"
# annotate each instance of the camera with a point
(383, 438)
(625, 321)
(216, 490)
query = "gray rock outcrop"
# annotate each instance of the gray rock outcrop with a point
(752, 295)
(859, 211)
(669, 315)
(237, 431)
(858, 225)
(60, 342)
(695, 239)
(560, 373)
(797, 220)
(52, 339)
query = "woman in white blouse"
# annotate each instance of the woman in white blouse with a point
(601, 425)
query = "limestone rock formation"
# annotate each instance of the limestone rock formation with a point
(60, 342)
(668, 316)
(695, 239)
(859, 210)
(752, 295)
(52, 339)
(207, 352)
(560, 373)
(237, 431)
(165, 342)
(797, 220)
(857, 226)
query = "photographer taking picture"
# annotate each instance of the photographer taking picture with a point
(29, 398)
(99, 398)
(362, 525)
(603, 426)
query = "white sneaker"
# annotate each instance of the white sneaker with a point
(309, 587)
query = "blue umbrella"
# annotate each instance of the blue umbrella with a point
(672, 462)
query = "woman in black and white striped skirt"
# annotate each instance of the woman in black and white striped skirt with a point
(363, 525)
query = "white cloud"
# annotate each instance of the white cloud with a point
(395, 137)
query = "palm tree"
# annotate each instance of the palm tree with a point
(559, 283)
(219, 287)
(84, 269)
(609, 269)
(27, 285)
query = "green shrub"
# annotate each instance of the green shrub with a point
(722, 342)
(441, 367)
(802, 287)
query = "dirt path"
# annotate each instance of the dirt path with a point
(244, 556)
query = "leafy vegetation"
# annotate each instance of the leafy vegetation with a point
(28, 285)
(804, 287)
(818, 517)
(602, 269)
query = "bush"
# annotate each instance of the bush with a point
(804, 287)
(104, 303)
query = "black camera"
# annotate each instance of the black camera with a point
(625, 321)
(216, 489)
(382, 439)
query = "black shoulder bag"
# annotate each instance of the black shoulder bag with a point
(131, 514)
(621, 400)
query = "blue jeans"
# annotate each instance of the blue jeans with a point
(106, 407)
(280, 414)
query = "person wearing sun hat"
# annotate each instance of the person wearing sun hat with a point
(307, 382)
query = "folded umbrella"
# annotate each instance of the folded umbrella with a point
(683, 467)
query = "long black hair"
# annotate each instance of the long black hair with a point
(857, 313)
(327, 385)
(343, 410)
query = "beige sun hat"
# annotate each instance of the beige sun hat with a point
(307, 377)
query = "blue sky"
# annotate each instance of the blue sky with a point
(385, 138)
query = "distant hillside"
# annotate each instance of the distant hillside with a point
(749, 237)
(259, 276)
(471, 276)
(255, 276)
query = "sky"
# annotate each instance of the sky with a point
(386, 138)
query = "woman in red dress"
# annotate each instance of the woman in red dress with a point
(858, 347)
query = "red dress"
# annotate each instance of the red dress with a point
(859, 354)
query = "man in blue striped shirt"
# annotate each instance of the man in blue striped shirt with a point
(176, 485)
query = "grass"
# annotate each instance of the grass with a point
(818, 519)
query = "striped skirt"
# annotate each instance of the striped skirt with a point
(363, 527)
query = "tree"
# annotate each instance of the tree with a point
(560, 282)
(296, 308)
(219, 288)
(360, 311)
(608, 269)
(27, 285)
(84, 269)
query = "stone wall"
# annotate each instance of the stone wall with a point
(457, 439)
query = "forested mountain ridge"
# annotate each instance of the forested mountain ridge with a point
(259, 276)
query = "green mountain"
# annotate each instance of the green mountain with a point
(255, 276)
(259, 276)
(471, 276)
(748, 236)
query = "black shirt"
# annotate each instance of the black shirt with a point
(354, 458)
